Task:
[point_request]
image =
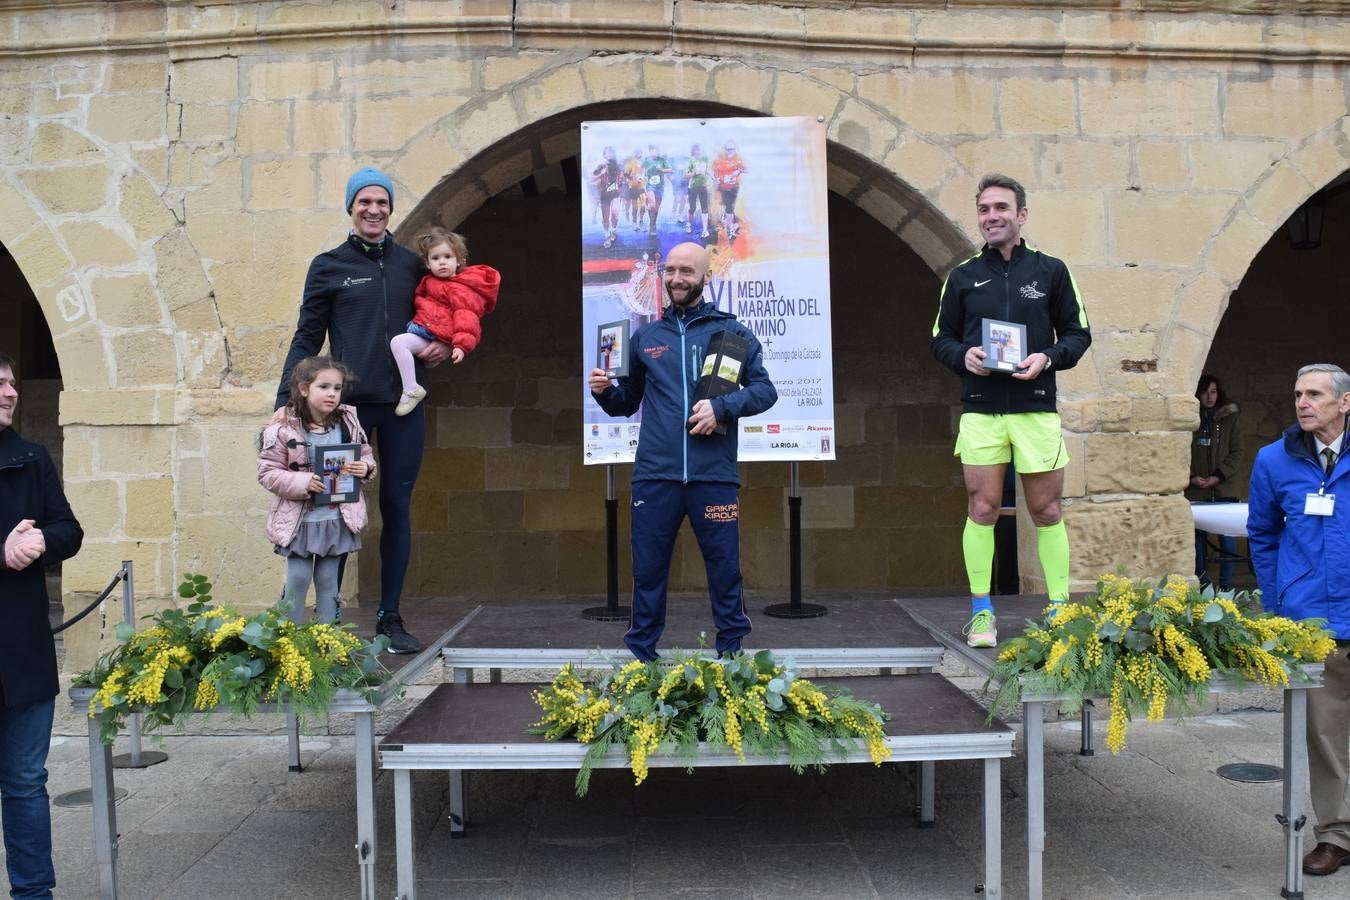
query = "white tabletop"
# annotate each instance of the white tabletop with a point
(1221, 518)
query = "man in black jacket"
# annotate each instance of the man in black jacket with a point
(1010, 417)
(359, 295)
(39, 530)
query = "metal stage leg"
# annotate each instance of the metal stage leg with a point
(458, 802)
(795, 608)
(1085, 722)
(365, 801)
(293, 741)
(611, 611)
(924, 790)
(1293, 816)
(105, 812)
(993, 839)
(403, 834)
(1033, 733)
(458, 795)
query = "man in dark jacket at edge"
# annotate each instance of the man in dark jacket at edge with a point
(1299, 533)
(359, 295)
(39, 530)
(1010, 416)
(684, 467)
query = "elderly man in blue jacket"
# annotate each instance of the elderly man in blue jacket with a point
(1300, 541)
(39, 530)
(684, 467)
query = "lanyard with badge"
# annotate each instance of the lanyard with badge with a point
(1320, 503)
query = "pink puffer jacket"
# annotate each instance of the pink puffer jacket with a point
(286, 472)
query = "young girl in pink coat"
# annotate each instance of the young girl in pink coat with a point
(313, 539)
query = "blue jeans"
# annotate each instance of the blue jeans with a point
(25, 736)
(1228, 548)
(398, 444)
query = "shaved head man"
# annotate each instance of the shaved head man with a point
(685, 467)
(685, 274)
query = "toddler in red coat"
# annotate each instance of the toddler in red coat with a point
(447, 307)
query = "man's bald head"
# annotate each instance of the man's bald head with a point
(685, 273)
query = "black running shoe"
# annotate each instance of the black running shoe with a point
(391, 626)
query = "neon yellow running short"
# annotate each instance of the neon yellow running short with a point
(1032, 440)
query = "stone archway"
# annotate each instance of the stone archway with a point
(90, 264)
(1260, 212)
(25, 337)
(503, 465)
(867, 183)
(133, 324)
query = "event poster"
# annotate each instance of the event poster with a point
(753, 192)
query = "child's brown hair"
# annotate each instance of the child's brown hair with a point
(303, 375)
(458, 245)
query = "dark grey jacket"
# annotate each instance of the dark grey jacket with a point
(358, 297)
(1033, 289)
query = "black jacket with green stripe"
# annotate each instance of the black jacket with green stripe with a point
(1032, 289)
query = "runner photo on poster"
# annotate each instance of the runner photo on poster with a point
(753, 192)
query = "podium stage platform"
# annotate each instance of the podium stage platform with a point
(861, 631)
(944, 619)
(465, 727)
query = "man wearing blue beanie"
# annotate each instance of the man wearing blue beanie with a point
(368, 177)
(358, 296)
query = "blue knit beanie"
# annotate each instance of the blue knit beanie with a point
(369, 177)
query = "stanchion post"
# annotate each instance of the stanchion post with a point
(795, 608)
(136, 759)
(129, 617)
(611, 611)
(611, 541)
(1085, 721)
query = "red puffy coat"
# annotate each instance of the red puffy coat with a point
(451, 307)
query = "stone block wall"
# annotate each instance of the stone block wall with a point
(168, 170)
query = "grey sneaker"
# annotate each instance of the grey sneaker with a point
(981, 631)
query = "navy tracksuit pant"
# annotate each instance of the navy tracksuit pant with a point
(658, 509)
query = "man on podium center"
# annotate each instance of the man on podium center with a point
(686, 463)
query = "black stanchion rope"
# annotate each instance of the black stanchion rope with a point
(90, 608)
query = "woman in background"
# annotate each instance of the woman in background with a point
(1216, 456)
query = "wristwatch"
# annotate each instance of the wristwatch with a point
(1048, 363)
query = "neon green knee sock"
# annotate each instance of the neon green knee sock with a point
(1052, 545)
(977, 545)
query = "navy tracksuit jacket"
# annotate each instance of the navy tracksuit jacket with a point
(678, 474)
